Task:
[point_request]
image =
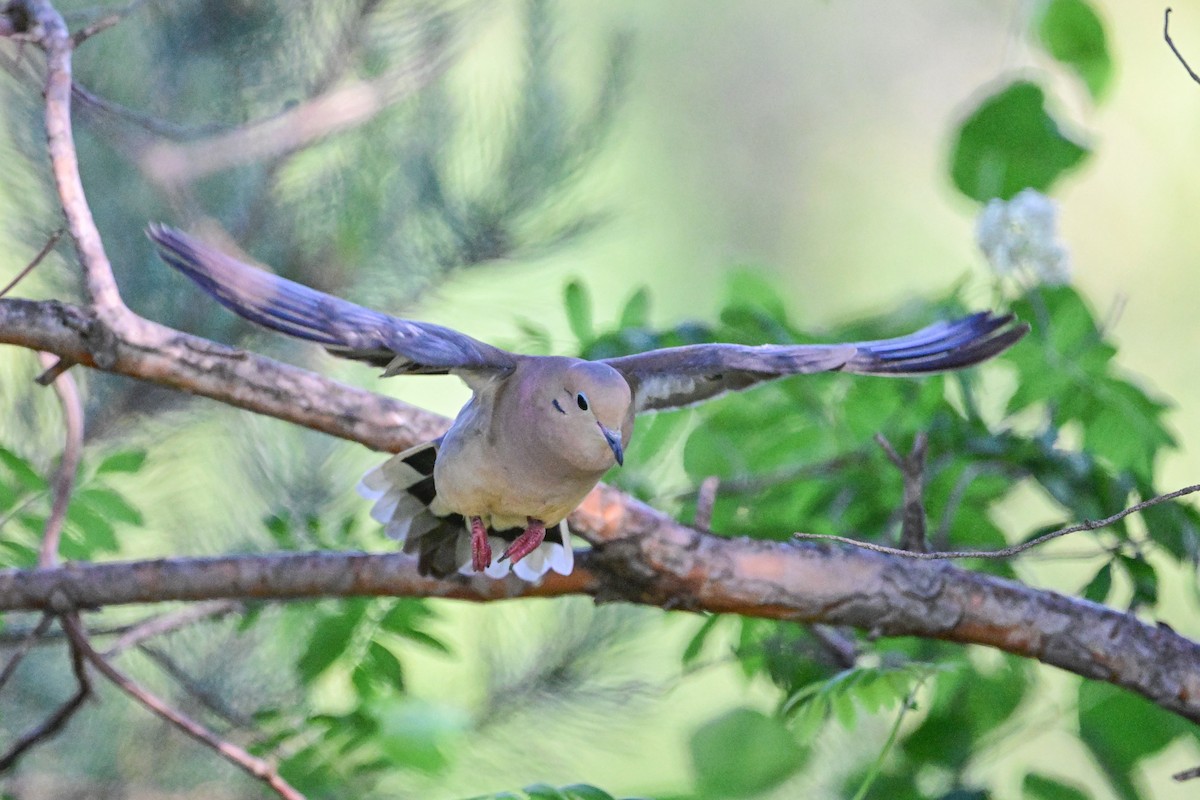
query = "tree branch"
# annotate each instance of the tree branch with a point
(61, 716)
(253, 765)
(643, 556)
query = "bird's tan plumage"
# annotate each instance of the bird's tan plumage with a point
(539, 431)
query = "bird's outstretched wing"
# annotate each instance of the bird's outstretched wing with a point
(680, 376)
(345, 329)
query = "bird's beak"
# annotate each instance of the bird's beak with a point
(614, 441)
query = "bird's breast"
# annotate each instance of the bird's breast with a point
(481, 472)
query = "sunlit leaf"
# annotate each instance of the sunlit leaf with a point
(1073, 34)
(22, 471)
(1011, 142)
(329, 639)
(636, 313)
(579, 312)
(122, 461)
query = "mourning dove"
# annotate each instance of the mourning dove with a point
(539, 431)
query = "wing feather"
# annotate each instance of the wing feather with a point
(680, 376)
(344, 328)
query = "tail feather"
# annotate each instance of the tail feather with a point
(405, 503)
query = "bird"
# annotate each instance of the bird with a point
(538, 432)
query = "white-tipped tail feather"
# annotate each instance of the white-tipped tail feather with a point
(405, 502)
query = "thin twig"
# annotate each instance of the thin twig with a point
(341, 108)
(27, 642)
(1187, 774)
(55, 722)
(32, 265)
(208, 698)
(99, 26)
(1087, 525)
(257, 767)
(19, 507)
(1174, 49)
(840, 647)
(57, 366)
(160, 624)
(706, 500)
(912, 470)
(64, 478)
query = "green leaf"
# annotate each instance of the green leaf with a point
(749, 289)
(109, 504)
(1073, 34)
(637, 310)
(540, 791)
(98, 533)
(966, 705)
(743, 753)
(405, 619)
(379, 668)
(1108, 716)
(1100, 585)
(21, 470)
(692, 651)
(329, 639)
(579, 312)
(123, 461)
(1145, 580)
(1037, 787)
(1009, 143)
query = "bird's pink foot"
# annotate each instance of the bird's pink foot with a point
(481, 550)
(527, 542)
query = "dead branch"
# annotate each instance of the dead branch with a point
(136, 635)
(172, 165)
(1174, 49)
(32, 265)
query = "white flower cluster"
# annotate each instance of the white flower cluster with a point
(1020, 237)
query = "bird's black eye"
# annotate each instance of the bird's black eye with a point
(581, 401)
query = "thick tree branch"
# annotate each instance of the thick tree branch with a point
(643, 556)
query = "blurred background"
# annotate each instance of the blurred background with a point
(518, 147)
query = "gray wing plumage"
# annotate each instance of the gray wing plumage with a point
(680, 376)
(344, 328)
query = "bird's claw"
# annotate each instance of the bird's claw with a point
(527, 542)
(481, 549)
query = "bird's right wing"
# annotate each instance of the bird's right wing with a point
(348, 330)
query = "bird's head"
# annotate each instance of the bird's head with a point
(589, 415)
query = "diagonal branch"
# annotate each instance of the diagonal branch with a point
(61, 716)
(251, 764)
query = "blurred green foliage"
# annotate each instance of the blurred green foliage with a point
(417, 193)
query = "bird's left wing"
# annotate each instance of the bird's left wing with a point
(680, 376)
(345, 329)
